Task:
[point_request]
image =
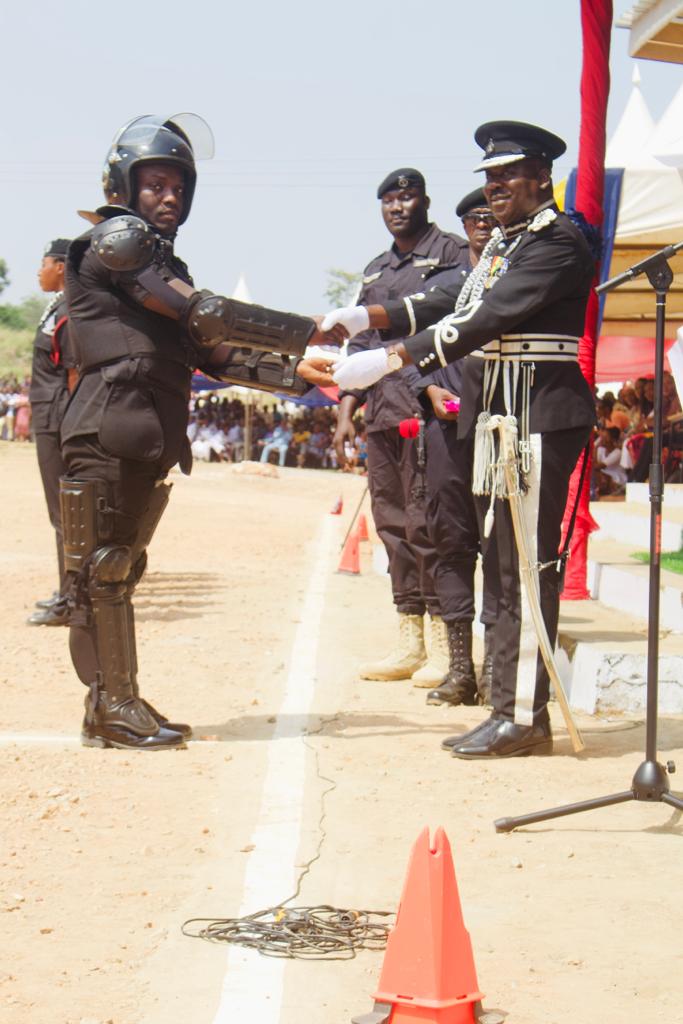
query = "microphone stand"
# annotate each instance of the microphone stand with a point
(650, 782)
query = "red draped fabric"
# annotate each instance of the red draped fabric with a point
(596, 24)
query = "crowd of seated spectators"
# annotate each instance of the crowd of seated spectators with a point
(216, 430)
(302, 439)
(622, 450)
(15, 411)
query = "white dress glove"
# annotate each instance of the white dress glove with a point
(354, 318)
(361, 370)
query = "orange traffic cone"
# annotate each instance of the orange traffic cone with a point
(350, 557)
(363, 527)
(338, 507)
(428, 973)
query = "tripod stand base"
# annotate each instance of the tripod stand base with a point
(649, 783)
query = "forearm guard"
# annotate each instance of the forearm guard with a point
(213, 319)
(264, 371)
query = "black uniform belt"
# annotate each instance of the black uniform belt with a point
(164, 373)
(539, 347)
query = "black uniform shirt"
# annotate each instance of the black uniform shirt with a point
(389, 277)
(539, 300)
(136, 365)
(49, 392)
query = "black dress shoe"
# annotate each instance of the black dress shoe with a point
(47, 602)
(505, 739)
(56, 614)
(455, 741)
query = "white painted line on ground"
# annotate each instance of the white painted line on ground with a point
(23, 738)
(253, 984)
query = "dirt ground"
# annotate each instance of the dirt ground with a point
(104, 854)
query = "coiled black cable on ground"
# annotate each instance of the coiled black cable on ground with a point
(298, 933)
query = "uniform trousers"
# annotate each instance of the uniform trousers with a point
(399, 511)
(51, 466)
(128, 485)
(521, 684)
(452, 522)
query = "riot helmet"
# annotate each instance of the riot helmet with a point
(180, 140)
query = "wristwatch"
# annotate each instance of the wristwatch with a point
(394, 361)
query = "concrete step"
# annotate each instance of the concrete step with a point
(619, 582)
(639, 494)
(628, 522)
(602, 659)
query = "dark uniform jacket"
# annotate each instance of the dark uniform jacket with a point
(52, 358)
(136, 365)
(389, 277)
(533, 314)
(452, 277)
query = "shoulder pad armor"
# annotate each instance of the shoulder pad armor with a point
(124, 243)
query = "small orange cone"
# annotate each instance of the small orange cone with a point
(338, 507)
(428, 974)
(350, 557)
(363, 527)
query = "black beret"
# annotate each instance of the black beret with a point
(404, 177)
(505, 142)
(471, 202)
(57, 248)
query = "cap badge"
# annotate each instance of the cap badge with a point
(403, 181)
(490, 147)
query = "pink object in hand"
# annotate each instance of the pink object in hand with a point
(451, 406)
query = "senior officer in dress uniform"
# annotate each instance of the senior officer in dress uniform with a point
(394, 477)
(48, 395)
(140, 328)
(518, 320)
(451, 513)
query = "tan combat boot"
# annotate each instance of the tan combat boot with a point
(408, 656)
(435, 670)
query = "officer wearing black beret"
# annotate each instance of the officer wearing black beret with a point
(53, 360)
(395, 480)
(518, 320)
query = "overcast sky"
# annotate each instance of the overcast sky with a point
(311, 104)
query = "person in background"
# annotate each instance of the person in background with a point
(53, 375)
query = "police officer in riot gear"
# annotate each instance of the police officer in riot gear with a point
(140, 328)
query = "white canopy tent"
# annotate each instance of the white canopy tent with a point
(650, 214)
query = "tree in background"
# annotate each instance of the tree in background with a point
(18, 323)
(342, 287)
(22, 316)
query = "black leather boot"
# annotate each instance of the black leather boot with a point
(486, 675)
(123, 721)
(183, 728)
(460, 685)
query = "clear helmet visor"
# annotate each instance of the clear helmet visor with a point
(141, 133)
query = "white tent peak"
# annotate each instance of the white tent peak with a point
(629, 145)
(635, 77)
(666, 143)
(241, 291)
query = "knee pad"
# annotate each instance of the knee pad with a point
(110, 564)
